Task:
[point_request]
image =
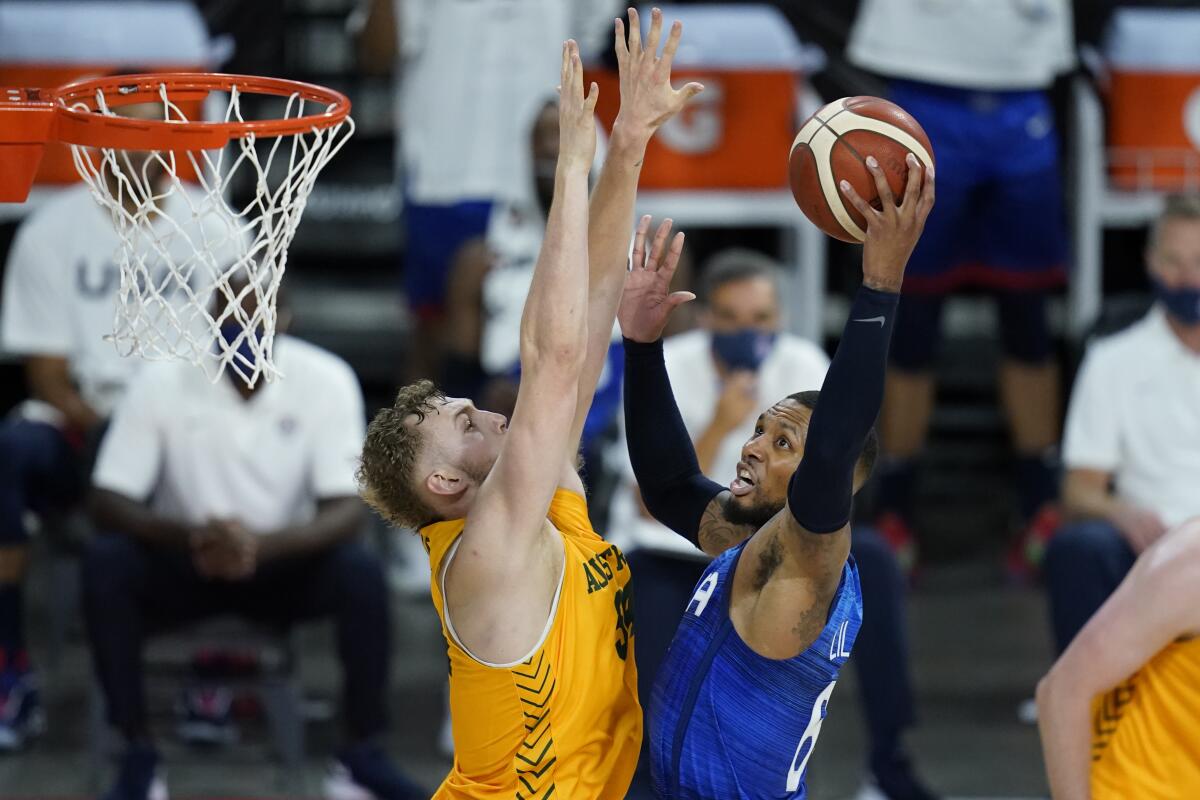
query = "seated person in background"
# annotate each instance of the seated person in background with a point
(60, 284)
(739, 362)
(1120, 711)
(1132, 443)
(218, 499)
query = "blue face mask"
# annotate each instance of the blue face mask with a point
(1183, 304)
(746, 348)
(230, 331)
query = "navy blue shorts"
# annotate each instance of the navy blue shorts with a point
(39, 471)
(433, 235)
(999, 220)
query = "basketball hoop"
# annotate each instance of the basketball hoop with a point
(199, 277)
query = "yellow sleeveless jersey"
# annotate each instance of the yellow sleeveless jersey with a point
(1146, 732)
(565, 722)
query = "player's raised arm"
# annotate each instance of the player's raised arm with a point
(660, 449)
(510, 510)
(647, 101)
(1157, 603)
(823, 485)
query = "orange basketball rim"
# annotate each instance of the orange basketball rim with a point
(80, 113)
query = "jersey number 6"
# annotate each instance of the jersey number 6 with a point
(808, 742)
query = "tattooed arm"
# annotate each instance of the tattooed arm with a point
(717, 534)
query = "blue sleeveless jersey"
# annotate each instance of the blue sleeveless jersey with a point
(727, 723)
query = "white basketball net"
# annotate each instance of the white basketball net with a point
(200, 278)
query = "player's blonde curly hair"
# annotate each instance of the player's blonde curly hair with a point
(386, 469)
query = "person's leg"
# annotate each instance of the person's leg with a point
(904, 420)
(462, 373)
(933, 272)
(433, 235)
(881, 649)
(908, 399)
(128, 590)
(36, 471)
(346, 582)
(1023, 252)
(1031, 396)
(882, 660)
(1085, 563)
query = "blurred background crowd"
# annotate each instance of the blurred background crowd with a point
(1041, 425)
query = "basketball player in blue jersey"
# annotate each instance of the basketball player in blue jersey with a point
(744, 689)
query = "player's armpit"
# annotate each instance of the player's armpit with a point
(785, 581)
(716, 533)
(570, 479)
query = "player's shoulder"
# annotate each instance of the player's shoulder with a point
(1132, 343)
(316, 366)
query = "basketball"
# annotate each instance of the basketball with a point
(832, 146)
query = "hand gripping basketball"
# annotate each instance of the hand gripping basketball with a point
(832, 146)
(647, 302)
(893, 229)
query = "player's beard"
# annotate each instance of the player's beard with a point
(758, 513)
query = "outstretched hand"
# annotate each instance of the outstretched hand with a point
(647, 97)
(576, 112)
(648, 301)
(893, 230)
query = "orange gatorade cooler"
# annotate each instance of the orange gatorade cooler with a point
(735, 134)
(48, 43)
(1154, 98)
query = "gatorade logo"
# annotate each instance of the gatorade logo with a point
(1191, 118)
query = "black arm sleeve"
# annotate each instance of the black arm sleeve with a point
(821, 489)
(663, 457)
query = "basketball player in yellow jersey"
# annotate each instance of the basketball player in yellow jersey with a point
(1120, 711)
(535, 607)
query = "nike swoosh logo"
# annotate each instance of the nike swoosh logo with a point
(880, 320)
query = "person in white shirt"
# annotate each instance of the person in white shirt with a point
(975, 75)
(723, 373)
(1132, 444)
(60, 289)
(457, 157)
(214, 498)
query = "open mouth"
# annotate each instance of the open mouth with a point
(743, 484)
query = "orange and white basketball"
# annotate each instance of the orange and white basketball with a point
(833, 145)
